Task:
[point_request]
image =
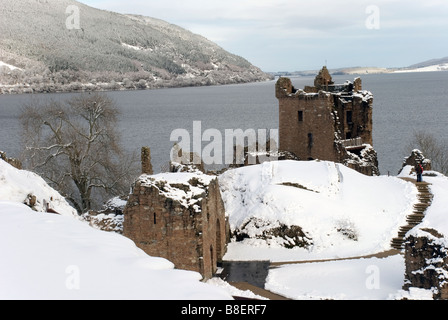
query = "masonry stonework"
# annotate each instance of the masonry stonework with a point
(426, 261)
(183, 222)
(327, 122)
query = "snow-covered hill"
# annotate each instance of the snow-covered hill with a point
(64, 45)
(321, 197)
(21, 186)
(56, 256)
(431, 68)
(342, 212)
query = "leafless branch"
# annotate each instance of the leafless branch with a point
(76, 147)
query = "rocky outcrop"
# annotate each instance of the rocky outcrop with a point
(287, 236)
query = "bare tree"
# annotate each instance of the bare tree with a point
(76, 147)
(434, 149)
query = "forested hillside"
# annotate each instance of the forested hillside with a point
(46, 46)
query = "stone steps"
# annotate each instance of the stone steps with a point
(416, 217)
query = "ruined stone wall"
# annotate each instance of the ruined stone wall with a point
(146, 161)
(193, 238)
(215, 229)
(355, 117)
(314, 125)
(151, 220)
(307, 125)
(426, 260)
(416, 157)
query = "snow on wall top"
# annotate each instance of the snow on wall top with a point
(187, 188)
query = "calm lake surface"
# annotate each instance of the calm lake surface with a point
(403, 103)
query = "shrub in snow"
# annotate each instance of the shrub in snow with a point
(347, 229)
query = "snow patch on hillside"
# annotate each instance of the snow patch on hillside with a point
(45, 256)
(432, 68)
(48, 256)
(344, 212)
(11, 67)
(20, 185)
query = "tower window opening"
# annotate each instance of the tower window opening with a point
(349, 117)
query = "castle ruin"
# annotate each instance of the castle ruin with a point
(327, 121)
(179, 216)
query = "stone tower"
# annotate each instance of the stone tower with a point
(181, 217)
(327, 121)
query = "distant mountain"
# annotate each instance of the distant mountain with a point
(426, 66)
(429, 63)
(45, 47)
(337, 71)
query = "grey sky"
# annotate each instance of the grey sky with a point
(289, 35)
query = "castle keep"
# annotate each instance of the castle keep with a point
(327, 121)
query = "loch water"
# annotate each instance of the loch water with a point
(404, 103)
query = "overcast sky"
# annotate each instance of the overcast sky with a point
(290, 35)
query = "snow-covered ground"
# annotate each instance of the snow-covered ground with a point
(58, 257)
(436, 67)
(20, 185)
(372, 278)
(47, 256)
(373, 207)
(345, 213)
(11, 67)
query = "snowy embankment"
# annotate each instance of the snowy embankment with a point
(51, 256)
(342, 212)
(366, 278)
(27, 187)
